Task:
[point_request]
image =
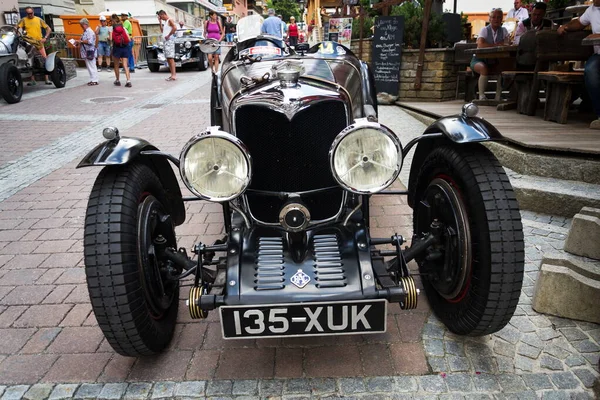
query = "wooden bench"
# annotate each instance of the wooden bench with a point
(553, 47)
(462, 60)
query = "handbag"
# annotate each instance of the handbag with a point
(89, 54)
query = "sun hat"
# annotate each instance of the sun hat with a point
(102, 18)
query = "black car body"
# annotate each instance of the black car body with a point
(187, 51)
(295, 155)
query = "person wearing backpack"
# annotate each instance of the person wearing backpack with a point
(120, 52)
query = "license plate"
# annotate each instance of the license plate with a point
(304, 319)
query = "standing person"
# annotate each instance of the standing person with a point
(33, 26)
(214, 30)
(293, 32)
(168, 28)
(591, 16)
(120, 51)
(492, 35)
(103, 35)
(272, 26)
(229, 30)
(536, 21)
(284, 28)
(129, 28)
(519, 12)
(87, 43)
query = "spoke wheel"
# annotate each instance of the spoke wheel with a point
(154, 225)
(473, 275)
(450, 260)
(126, 226)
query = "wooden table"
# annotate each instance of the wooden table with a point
(592, 40)
(507, 60)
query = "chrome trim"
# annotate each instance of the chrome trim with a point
(214, 132)
(354, 210)
(242, 213)
(294, 207)
(311, 224)
(359, 124)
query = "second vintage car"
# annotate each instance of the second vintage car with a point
(187, 51)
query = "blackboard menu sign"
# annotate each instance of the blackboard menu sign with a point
(387, 47)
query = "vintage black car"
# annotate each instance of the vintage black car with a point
(187, 51)
(294, 156)
(19, 59)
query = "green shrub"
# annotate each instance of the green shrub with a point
(413, 22)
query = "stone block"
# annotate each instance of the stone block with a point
(584, 235)
(568, 287)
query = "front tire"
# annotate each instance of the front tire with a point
(135, 305)
(11, 83)
(473, 278)
(153, 67)
(59, 74)
(203, 63)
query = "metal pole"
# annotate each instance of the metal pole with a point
(455, 1)
(426, 15)
(360, 42)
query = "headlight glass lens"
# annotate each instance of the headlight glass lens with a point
(367, 160)
(216, 168)
(188, 45)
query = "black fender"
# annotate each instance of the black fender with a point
(125, 150)
(369, 92)
(457, 129)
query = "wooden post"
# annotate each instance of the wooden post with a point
(426, 15)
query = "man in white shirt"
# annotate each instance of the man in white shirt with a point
(519, 12)
(592, 65)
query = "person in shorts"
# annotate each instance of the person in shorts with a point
(120, 53)
(103, 32)
(168, 28)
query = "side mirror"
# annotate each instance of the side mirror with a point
(209, 46)
(302, 48)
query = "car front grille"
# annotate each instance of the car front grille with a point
(292, 156)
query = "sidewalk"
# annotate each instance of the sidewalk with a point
(50, 344)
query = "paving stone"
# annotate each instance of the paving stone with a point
(586, 346)
(455, 348)
(38, 391)
(504, 348)
(2, 389)
(222, 387)
(351, 385)
(524, 363)
(505, 364)
(595, 334)
(434, 347)
(556, 395)
(592, 358)
(195, 389)
(565, 380)
(477, 396)
(484, 364)
(405, 384)
(113, 391)
(138, 390)
(537, 381)
(528, 351)
(63, 392)
(510, 334)
(561, 322)
(246, 387)
(451, 396)
(523, 324)
(485, 383)
(574, 361)
(573, 334)
(525, 395)
(547, 334)
(511, 383)
(587, 326)
(437, 364)
(380, 384)
(88, 391)
(549, 362)
(586, 376)
(459, 382)
(556, 351)
(271, 387)
(323, 386)
(15, 392)
(533, 340)
(458, 364)
(433, 384)
(162, 390)
(433, 331)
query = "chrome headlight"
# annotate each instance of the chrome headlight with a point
(188, 45)
(366, 157)
(215, 165)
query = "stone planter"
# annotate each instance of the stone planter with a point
(438, 82)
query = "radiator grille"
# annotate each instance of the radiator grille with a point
(329, 269)
(270, 273)
(292, 156)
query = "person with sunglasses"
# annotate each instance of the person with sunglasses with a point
(33, 26)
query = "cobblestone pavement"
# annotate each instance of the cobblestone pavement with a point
(50, 345)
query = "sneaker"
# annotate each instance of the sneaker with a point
(482, 97)
(99, 69)
(132, 71)
(117, 83)
(128, 84)
(595, 124)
